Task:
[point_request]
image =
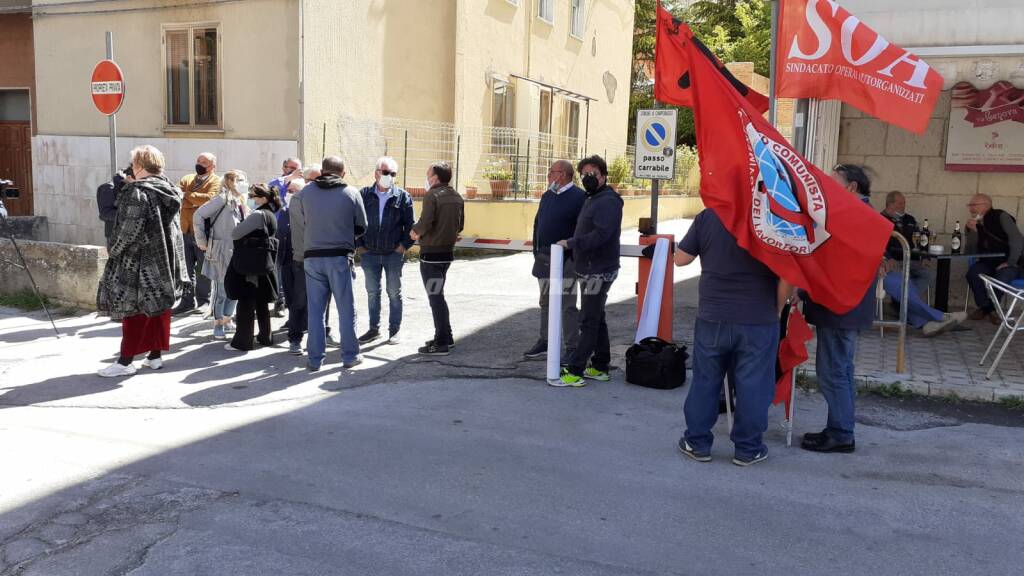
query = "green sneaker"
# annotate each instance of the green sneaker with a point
(595, 374)
(568, 379)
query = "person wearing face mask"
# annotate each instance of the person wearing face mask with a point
(920, 315)
(556, 218)
(595, 247)
(144, 273)
(441, 221)
(213, 224)
(291, 170)
(837, 345)
(389, 219)
(251, 277)
(199, 188)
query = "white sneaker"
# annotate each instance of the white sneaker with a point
(957, 317)
(154, 364)
(231, 348)
(934, 328)
(230, 327)
(116, 370)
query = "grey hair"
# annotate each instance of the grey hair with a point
(391, 163)
(310, 169)
(292, 159)
(209, 156)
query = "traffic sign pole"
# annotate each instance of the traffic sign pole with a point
(112, 119)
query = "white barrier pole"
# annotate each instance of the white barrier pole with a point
(651, 313)
(555, 313)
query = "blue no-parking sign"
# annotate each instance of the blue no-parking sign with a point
(655, 144)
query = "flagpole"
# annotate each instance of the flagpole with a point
(792, 408)
(771, 62)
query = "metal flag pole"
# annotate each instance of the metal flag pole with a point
(792, 409)
(771, 62)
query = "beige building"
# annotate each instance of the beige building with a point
(980, 42)
(476, 82)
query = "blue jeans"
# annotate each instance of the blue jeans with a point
(223, 307)
(919, 312)
(326, 276)
(747, 352)
(374, 266)
(1008, 274)
(834, 365)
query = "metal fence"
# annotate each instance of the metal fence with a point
(488, 161)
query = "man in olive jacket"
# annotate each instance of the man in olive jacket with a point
(441, 221)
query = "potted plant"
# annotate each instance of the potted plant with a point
(500, 178)
(471, 190)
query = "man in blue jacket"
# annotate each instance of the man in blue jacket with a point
(556, 219)
(389, 219)
(595, 247)
(837, 346)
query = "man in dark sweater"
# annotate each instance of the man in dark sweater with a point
(595, 247)
(556, 220)
(437, 230)
(991, 230)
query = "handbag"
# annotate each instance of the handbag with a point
(256, 255)
(655, 363)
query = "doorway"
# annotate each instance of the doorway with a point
(16, 148)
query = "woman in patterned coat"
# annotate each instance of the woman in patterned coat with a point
(145, 272)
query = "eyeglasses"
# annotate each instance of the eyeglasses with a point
(839, 168)
(386, 173)
(973, 204)
(594, 174)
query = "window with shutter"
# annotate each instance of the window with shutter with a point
(193, 76)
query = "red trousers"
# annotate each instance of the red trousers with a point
(141, 334)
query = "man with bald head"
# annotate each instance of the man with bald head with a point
(198, 188)
(556, 219)
(326, 219)
(991, 230)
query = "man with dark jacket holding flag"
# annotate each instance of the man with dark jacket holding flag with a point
(736, 333)
(837, 346)
(595, 246)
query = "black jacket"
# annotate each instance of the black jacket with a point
(595, 244)
(106, 203)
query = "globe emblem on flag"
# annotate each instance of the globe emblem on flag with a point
(784, 214)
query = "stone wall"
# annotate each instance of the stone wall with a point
(66, 273)
(915, 165)
(68, 169)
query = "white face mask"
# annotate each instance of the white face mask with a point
(553, 186)
(426, 184)
(241, 186)
(386, 181)
(251, 203)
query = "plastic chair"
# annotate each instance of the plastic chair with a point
(1009, 303)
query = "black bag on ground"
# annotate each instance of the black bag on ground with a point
(654, 363)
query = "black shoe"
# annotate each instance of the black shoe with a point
(371, 335)
(815, 436)
(687, 450)
(432, 349)
(828, 445)
(451, 345)
(185, 308)
(539, 350)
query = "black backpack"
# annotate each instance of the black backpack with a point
(654, 363)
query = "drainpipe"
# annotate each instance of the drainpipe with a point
(302, 82)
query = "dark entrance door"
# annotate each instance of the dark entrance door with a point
(16, 148)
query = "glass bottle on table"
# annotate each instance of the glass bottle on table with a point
(958, 239)
(924, 236)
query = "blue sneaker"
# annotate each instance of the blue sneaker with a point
(219, 332)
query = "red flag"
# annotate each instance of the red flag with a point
(826, 52)
(792, 353)
(781, 208)
(672, 68)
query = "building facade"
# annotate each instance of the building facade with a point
(256, 81)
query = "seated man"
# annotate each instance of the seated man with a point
(919, 314)
(990, 230)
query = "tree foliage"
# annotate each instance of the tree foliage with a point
(735, 30)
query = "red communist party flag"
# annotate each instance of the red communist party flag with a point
(826, 52)
(792, 353)
(782, 209)
(672, 80)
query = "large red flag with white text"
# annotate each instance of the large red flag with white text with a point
(826, 52)
(782, 209)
